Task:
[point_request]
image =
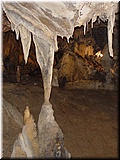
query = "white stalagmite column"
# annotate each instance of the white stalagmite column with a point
(50, 135)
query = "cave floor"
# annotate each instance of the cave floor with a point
(87, 118)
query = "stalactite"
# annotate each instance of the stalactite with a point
(26, 41)
(111, 21)
(57, 24)
(45, 21)
(84, 28)
(45, 57)
(12, 26)
(17, 32)
(92, 23)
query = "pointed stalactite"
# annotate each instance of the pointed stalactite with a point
(26, 41)
(111, 21)
(17, 32)
(85, 28)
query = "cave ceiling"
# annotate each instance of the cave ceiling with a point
(47, 20)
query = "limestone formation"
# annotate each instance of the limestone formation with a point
(51, 140)
(44, 21)
(27, 143)
(45, 142)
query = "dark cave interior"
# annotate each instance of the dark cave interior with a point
(84, 58)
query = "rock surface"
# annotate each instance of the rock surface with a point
(50, 135)
(27, 143)
(44, 142)
(87, 118)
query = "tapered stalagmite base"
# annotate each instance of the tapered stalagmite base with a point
(46, 142)
(50, 135)
(27, 143)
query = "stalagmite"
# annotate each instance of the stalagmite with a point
(27, 143)
(50, 135)
(46, 142)
(45, 21)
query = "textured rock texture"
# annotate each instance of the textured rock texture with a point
(27, 143)
(51, 143)
(44, 142)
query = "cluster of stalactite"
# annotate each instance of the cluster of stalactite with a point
(77, 59)
(13, 57)
(85, 57)
(74, 61)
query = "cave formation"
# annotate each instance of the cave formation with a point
(90, 50)
(79, 56)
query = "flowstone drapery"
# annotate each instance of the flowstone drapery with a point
(45, 21)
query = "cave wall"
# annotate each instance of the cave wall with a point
(85, 62)
(75, 61)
